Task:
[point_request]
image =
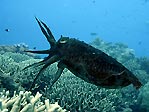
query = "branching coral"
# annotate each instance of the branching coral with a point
(80, 96)
(143, 98)
(6, 81)
(7, 64)
(11, 70)
(144, 62)
(25, 102)
(17, 57)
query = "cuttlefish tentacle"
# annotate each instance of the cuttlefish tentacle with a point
(38, 52)
(48, 62)
(61, 67)
(41, 62)
(51, 39)
(47, 33)
(36, 64)
(56, 76)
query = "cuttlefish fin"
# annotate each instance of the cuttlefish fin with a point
(46, 31)
(131, 77)
(107, 76)
(120, 73)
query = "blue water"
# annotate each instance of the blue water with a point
(124, 21)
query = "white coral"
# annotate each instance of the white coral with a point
(25, 102)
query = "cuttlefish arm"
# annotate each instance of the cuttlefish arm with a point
(39, 52)
(48, 34)
(47, 63)
(51, 58)
(58, 73)
(37, 64)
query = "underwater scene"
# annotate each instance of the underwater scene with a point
(74, 56)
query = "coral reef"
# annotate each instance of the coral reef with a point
(80, 96)
(17, 57)
(144, 63)
(7, 64)
(13, 48)
(11, 69)
(6, 81)
(17, 48)
(143, 98)
(72, 93)
(25, 102)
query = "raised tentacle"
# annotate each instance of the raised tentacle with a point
(47, 63)
(52, 39)
(47, 33)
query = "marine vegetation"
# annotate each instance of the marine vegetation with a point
(84, 61)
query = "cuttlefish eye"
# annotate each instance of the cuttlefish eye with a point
(63, 41)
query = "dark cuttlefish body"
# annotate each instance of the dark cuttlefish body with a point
(84, 61)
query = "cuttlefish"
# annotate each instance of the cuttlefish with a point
(84, 61)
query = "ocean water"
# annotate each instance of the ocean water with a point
(112, 20)
(120, 28)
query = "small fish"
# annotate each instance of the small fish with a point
(7, 30)
(93, 1)
(140, 42)
(93, 34)
(34, 48)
